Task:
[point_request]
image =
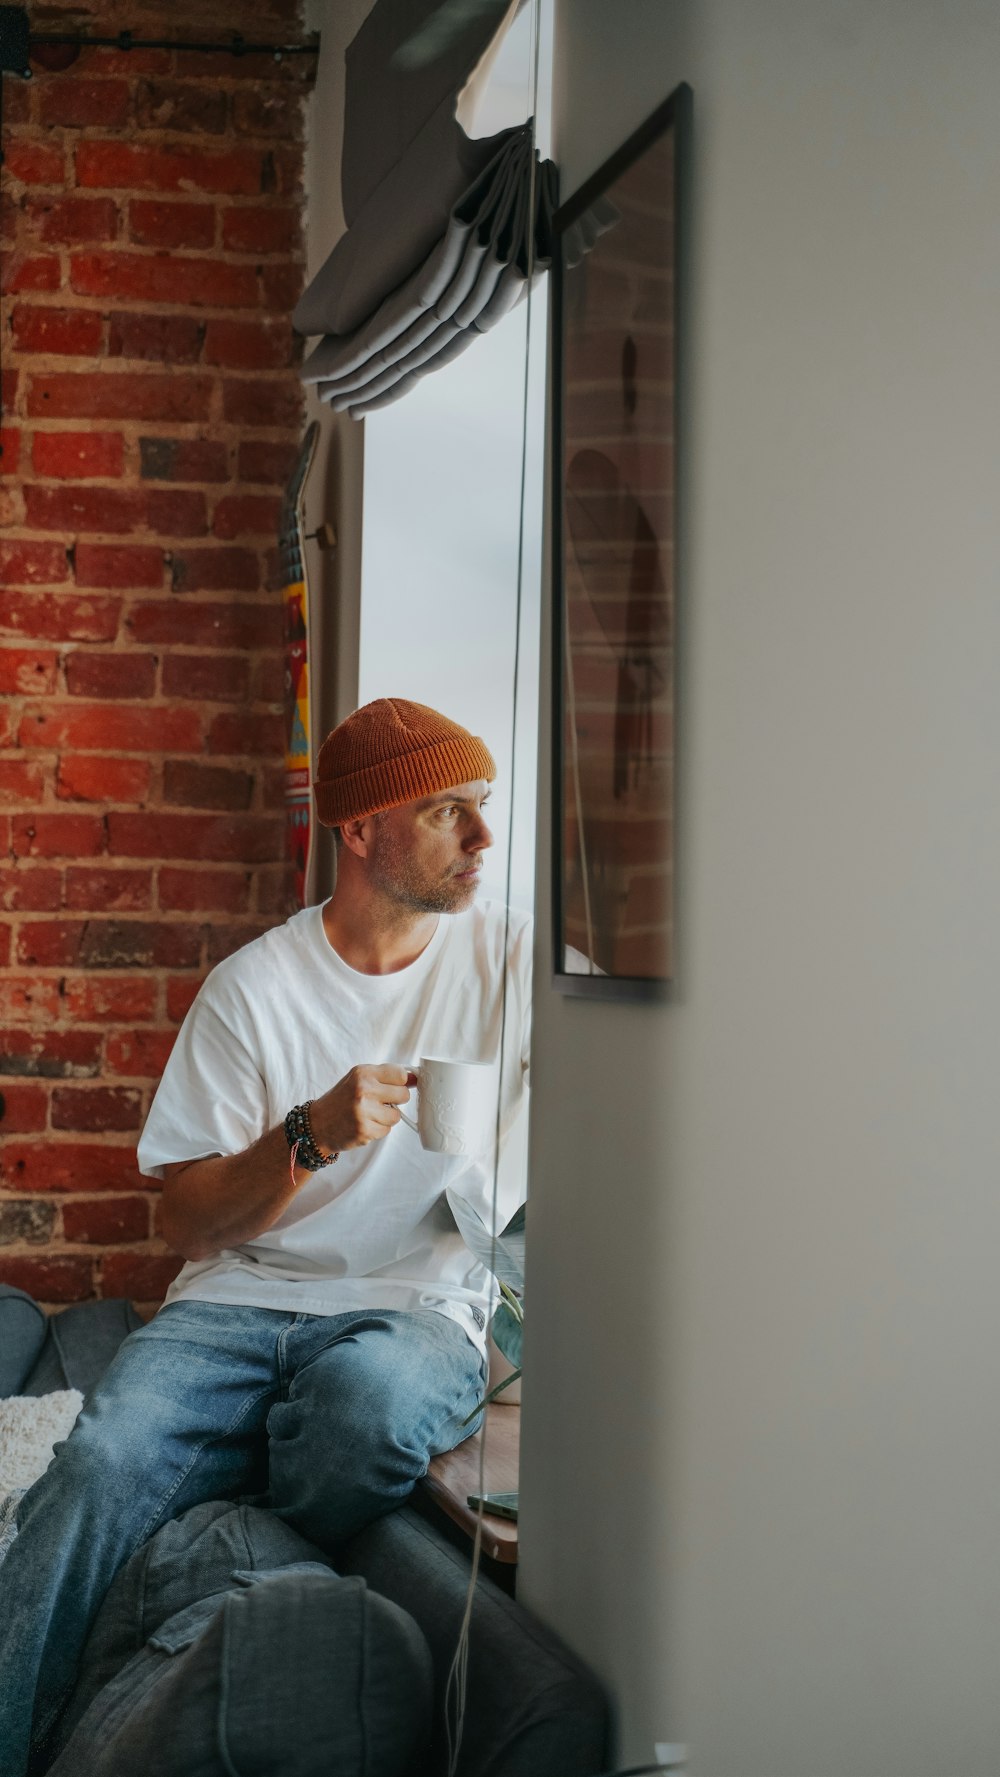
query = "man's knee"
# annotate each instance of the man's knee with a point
(362, 1420)
(394, 1377)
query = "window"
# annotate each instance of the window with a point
(443, 525)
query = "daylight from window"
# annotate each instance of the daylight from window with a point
(443, 533)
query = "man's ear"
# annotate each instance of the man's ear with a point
(357, 836)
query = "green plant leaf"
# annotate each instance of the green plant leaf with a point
(502, 1254)
(514, 1303)
(507, 1330)
(515, 1376)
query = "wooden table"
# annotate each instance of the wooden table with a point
(453, 1476)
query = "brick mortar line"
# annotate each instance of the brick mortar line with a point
(133, 430)
(172, 548)
(123, 866)
(152, 756)
(217, 489)
(139, 538)
(215, 144)
(295, 85)
(41, 190)
(67, 300)
(247, 489)
(162, 139)
(51, 973)
(75, 805)
(63, 977)
(136, 1246)
(214, 492)
(238, 256)
(66, 297)
(206, 919)
(135, 706)
(160, 594)
(223, 431)
(267, 259)
(220, 489)
(119, 365)
(259, 706)
(96, 1026)
(68, 187)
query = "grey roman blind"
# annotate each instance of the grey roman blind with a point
(444, 228)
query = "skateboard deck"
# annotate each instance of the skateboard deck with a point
(298, 726)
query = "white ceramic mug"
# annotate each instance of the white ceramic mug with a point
(457, 1105)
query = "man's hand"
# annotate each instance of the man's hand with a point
(361, 1108)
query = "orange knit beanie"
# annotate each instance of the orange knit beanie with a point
(393, 751)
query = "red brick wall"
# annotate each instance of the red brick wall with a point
(151, 256)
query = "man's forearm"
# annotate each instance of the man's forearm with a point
(228, 1199)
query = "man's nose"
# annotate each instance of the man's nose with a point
(480, 837)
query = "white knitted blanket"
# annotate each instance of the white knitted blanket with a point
(9, 1503)
(29, 1426)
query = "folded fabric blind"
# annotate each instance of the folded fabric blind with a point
(445, 229)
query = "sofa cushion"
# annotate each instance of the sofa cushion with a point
(79, 1344)
(301, 1673)
(255, 1670)
(190, 1560)
(532, 1708)
(22, 1335)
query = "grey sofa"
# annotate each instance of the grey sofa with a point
(230, 1647)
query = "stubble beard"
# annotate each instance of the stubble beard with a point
(396, 876)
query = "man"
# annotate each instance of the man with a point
(327, 1334)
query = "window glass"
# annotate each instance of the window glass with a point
(442, 529)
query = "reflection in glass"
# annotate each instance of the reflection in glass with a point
(615, 415)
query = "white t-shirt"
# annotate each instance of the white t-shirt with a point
(282, 1021)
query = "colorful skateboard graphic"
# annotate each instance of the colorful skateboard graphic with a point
(298, 730)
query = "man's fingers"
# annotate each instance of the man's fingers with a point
(380, 1119)
(383, 1085)
(391, 1075)
(392, 1095)
(362, 1106)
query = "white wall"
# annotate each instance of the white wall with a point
(760, 1480)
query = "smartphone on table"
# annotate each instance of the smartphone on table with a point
(502, 1505)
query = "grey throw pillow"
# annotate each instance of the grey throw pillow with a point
(80, 1343)
(22, 1335)
(291, 1671)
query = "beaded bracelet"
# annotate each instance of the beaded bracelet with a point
(300, 1139)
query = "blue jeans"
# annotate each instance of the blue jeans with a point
(332, 1418)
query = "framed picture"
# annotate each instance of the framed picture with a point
(614, 370)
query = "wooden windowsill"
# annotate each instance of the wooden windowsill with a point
(452, 1477)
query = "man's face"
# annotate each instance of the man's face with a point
(427, 855)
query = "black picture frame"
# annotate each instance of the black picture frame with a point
(614, 369)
